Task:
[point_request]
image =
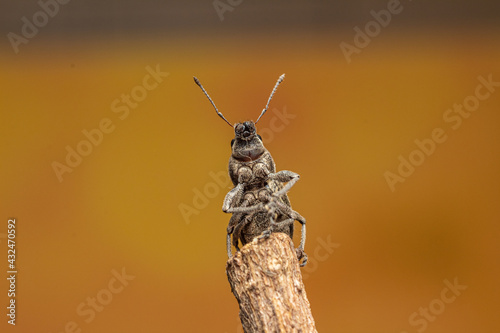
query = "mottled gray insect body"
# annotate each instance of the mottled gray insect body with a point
(258, 201)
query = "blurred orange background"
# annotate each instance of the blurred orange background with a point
(144, 204)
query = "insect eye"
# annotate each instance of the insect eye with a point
(239, 128)
(232, 141)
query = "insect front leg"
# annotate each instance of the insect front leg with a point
(284, 176)
(232, 198)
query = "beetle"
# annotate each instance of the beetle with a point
(258, 202)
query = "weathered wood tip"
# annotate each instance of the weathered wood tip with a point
(265, 278)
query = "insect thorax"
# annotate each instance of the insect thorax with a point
(252, 173)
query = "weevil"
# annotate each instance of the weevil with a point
(258, 202)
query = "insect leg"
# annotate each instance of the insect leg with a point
(238, 220)
(284, 176)
(232, 198)
(270, 213)
(237, 235)
(233, 222)
(275, 204)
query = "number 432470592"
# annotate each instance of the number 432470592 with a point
(11, 253)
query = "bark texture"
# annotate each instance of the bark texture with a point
(265, 278)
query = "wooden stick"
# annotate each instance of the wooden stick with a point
(265, 278)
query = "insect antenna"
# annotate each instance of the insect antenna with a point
(206, 94)
(281, 78)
